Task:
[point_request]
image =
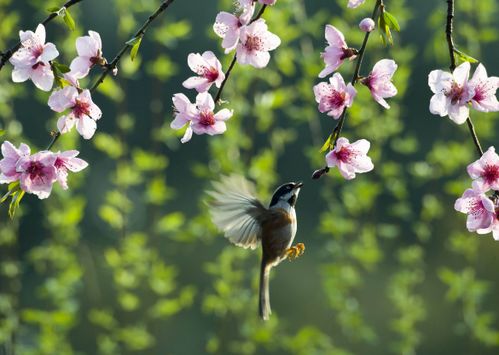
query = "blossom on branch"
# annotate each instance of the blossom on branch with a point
(484, 90)
(335, 96)
(367, 25)
(38, 173)
(208, 69)
(67, 161)
(379, 81)
(452, 93)
(228, 27)
(486, 170)
(479, 208)
(84, 113)
(32, 60)
(89, 50)
(255, 43)
(336, 51)
(200, 117)
(11, 156)
(350, 158)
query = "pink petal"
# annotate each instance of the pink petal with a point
(199, 83)
(40, 33)
(187, 135)
(65, 123)
(205, 102)
(61, 100)
(439, 81)
(50, 52)
(20, 75)
(459, 113)
(224, 114)
(80, 67)
(43, 78)
(334, 37)
(86, 46)
(439, 104)
(461, 73)
(86, 127)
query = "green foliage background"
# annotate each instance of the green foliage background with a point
(127, 261)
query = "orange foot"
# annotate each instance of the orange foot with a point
(295, 251)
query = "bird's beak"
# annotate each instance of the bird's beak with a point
(298, 185)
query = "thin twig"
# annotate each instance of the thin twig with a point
(5, 56)
(234, 59)
(452, 49)
(111, 66)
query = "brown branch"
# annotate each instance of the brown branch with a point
(111, 66)
(5, 56)
(452, 50)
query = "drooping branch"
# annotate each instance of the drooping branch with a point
(113, 64)
(452, 50)
(5, 56)
(234, 59)
(335, 134)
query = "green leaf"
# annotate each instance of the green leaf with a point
(135, 48)
(2, 132)
(391, 21)
(13, 187)
(54, 9)
(327, 144)
(14, 203)
(464, 57)
(68, 19)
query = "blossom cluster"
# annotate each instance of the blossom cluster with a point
(251, 40)
(334, 97)
(36, 173)
(454, 92)
(35, 61)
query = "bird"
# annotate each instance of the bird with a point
(247, 223)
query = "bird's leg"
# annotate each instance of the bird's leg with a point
(295, 251)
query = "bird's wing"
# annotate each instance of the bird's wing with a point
(236, 211)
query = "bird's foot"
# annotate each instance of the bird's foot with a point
(295, 251)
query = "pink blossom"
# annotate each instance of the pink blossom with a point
(209, 69)
(83, 111)
(38, 173)
(89, 50)
(354, 3)
(228, 27)
(486, 170)
(11, 156)
(336, 52)
(67, 161)
(350, 158)
(484, 88)
(255, 43)
(201, 118)
(452, 93)
(334, 97)
(494, 226)
(367, 25)
(478, 207)
(379, 81)
(32, 60)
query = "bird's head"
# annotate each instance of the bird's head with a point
(286, 194)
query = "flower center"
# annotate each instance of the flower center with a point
(210, 73)
(253, 43)
(59, 163)
(491, 173)
(37, 51)
(455, 93)
(81, 109)
(344, 154)
(336, 98)
(35, 170)
(206, 118)
(476, 207)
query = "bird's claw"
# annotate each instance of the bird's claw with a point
(295, 251)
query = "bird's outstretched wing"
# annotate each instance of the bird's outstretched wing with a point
(236, 211)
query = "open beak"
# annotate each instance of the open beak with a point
(298, 185)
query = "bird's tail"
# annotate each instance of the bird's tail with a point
(264, 300)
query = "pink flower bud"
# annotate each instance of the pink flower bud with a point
(367, 24)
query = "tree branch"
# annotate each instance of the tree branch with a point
(111, 66)
(452, 49)
(5, 56)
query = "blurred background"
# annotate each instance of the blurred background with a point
(127, 260)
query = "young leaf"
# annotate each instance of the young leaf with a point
(54, 10)
(463, 57)
(327, 144)
(14, 203)
(391, 21)
(13, 187)
(68, 19)
(135, 48)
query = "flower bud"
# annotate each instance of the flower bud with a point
(367, 24)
